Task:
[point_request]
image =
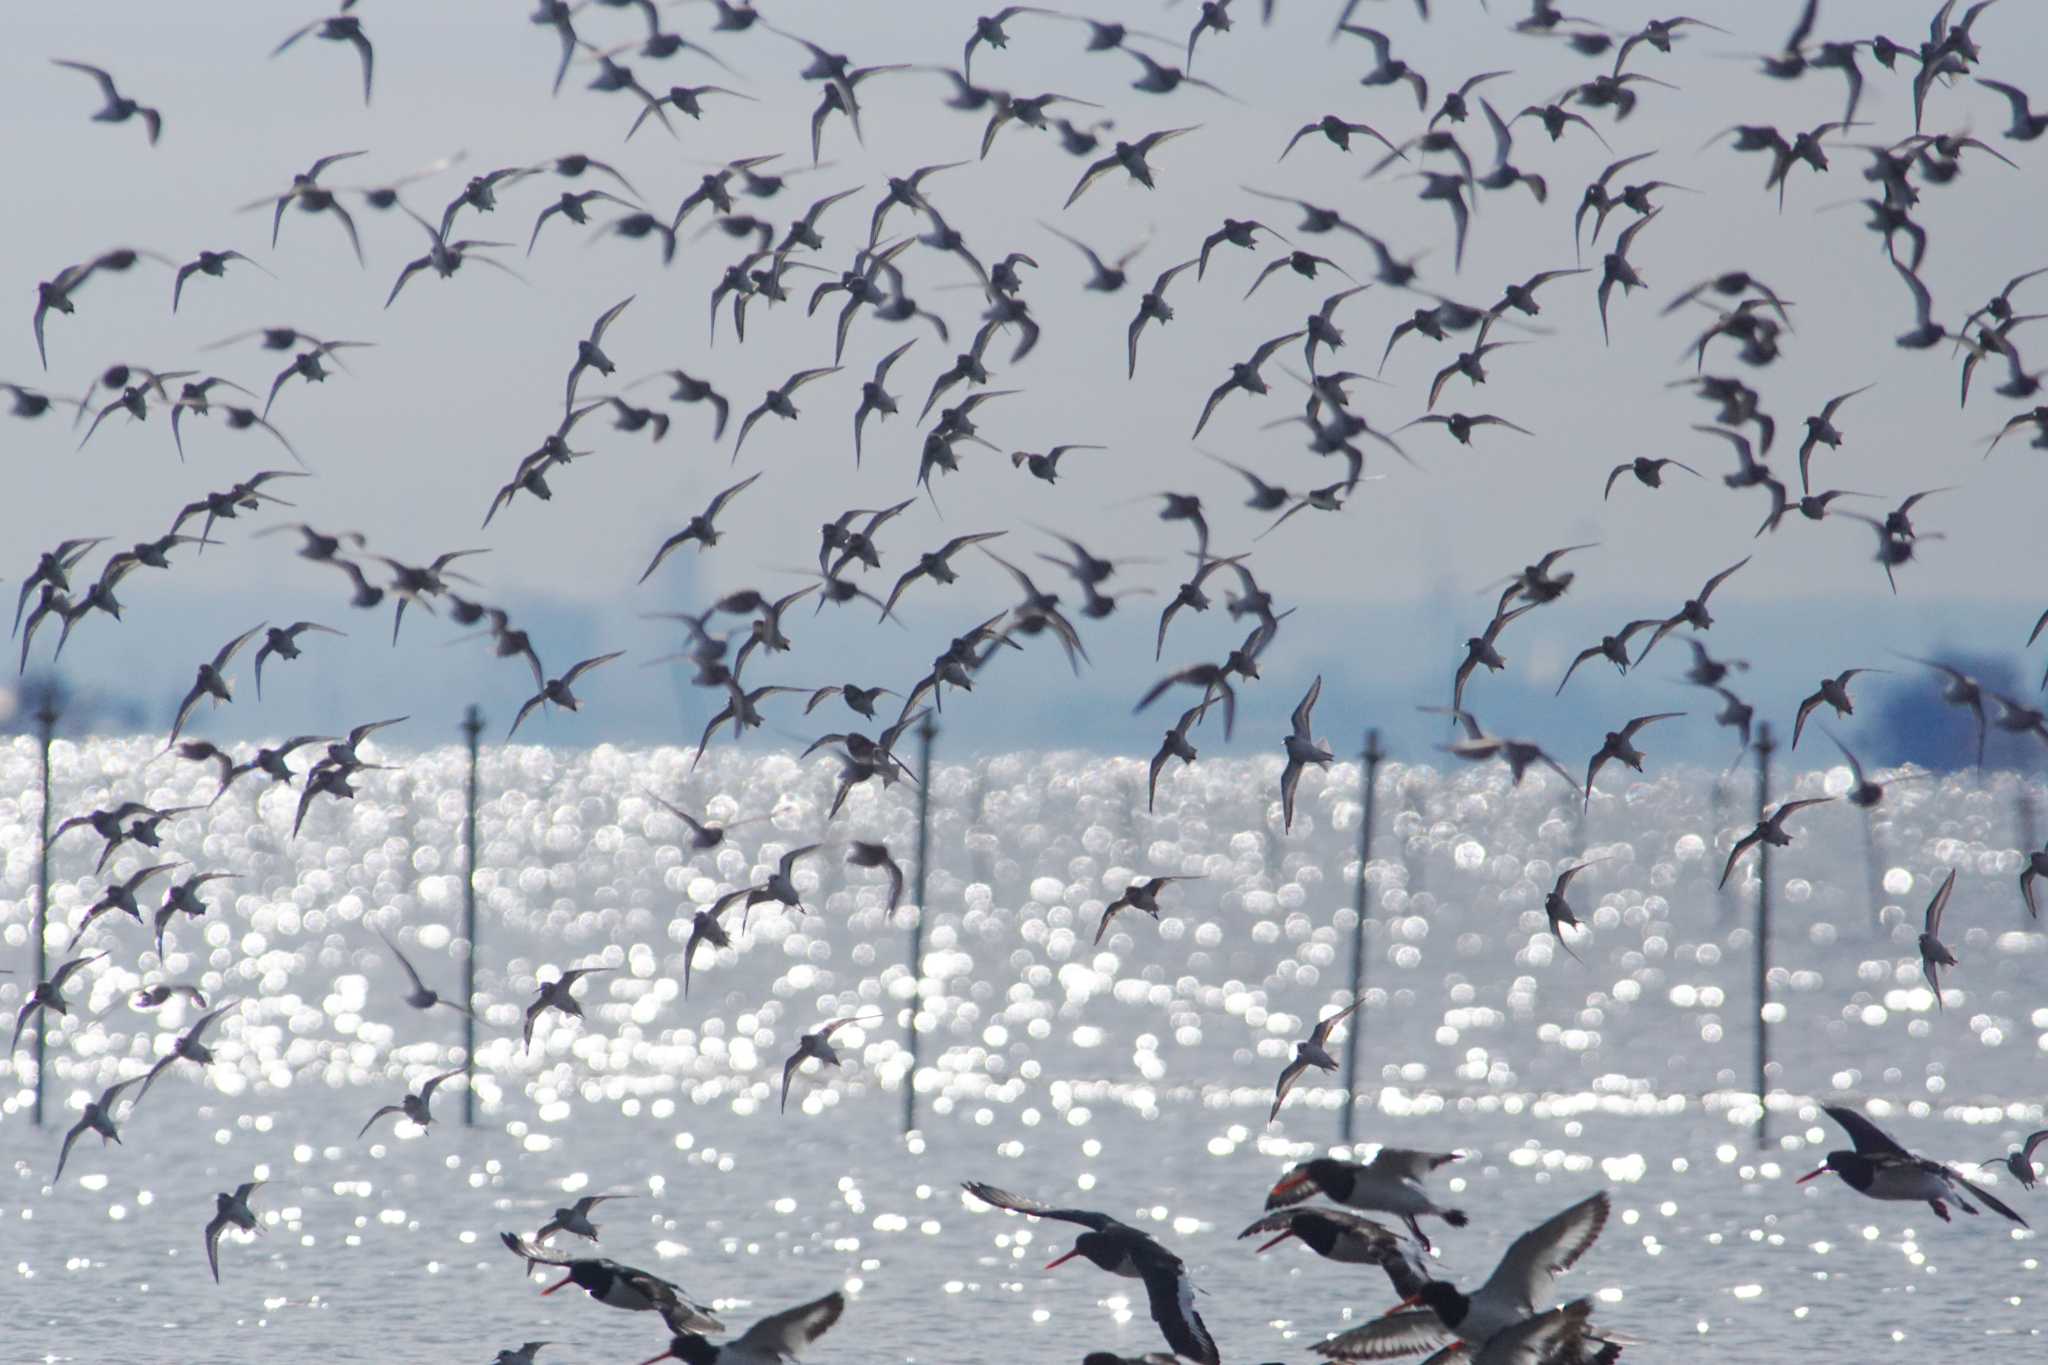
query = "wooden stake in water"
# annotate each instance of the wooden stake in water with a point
(1363, 906)
(472, 728)
(926, 733)
(46, 726)
(1765, 745)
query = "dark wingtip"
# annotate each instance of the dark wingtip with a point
(1456, 1217)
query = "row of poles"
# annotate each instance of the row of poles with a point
(1373, 755)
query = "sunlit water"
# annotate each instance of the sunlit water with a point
(1132, 1077)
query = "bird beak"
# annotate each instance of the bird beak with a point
(1278, 1240)
(1053, 1265)
(566, 1279)
(1811, 1174)
(1406, 1303)
(1287, 1186)
(669, 1354)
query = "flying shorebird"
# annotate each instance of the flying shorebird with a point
(1390, 1183)
(1347, 1238)
(419, 997)
(230, 1210)
(1880, 1168)
(1770, 830)
(1115, 1246)
(1302, 750)
(555, 995)
(2019, 1162)
(414, 1107)
(777, 402)
(339, 28)
(186, 1048)
(1619, 747)
(1934, 954)
(1141, 894)
(1131, 157)
(590, 353)
(212, 680)
(118, 107)
(556, 690)
(818, 1045)
(701, 528)
(864, 853)
(1835, 693)
(1499, 1310)
(49, 996)
(575, 1219)
(1311, 1052)
(781, 884)
(283, 641)
(1559, 910)
(619, 1286)
(97, 1117)
(117, 896)
(1693, 613)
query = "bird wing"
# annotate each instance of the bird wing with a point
(1324, 1027)
(418, 985)
(1868, 1138)
(1939, 904)
(525, 710)
(1018, 1203)
(1172, 1297)
(387, 1109)
(1985, 1197)
(433, 1083)
(1406, 1164)
(607, 318)
(1096, 170)
(1397, 1334)
(569, 678)
(219, 1222)
(796, 1059)
(1547, 1250)
(1629, 730)
(1307, 704)
(780, 1336)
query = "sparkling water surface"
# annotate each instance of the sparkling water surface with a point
(1131, 1077)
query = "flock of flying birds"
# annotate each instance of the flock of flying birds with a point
(1467, 156)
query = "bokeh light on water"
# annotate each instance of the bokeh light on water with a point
(1133, 1075)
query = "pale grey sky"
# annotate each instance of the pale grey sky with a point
(467, 373)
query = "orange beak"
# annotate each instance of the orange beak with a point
(566, 1279)
(669, 1354)
(1811, 1174)
(1054, 1265)
(1406, 1303)
(1287, 1186)
(1278, 1240)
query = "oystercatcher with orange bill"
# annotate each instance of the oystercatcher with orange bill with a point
(1501, 1308)
(1349, 1238)
(1390, 1183)
(771, 1341)
(620, 1286)
(1123, 1250)
(1882, 1169)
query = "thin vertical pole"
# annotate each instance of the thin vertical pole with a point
(2024, 802)
(1765, 745)
(1363, 906)
(46, 726)
(1873, 873)
(926, 733)
(472, 728)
